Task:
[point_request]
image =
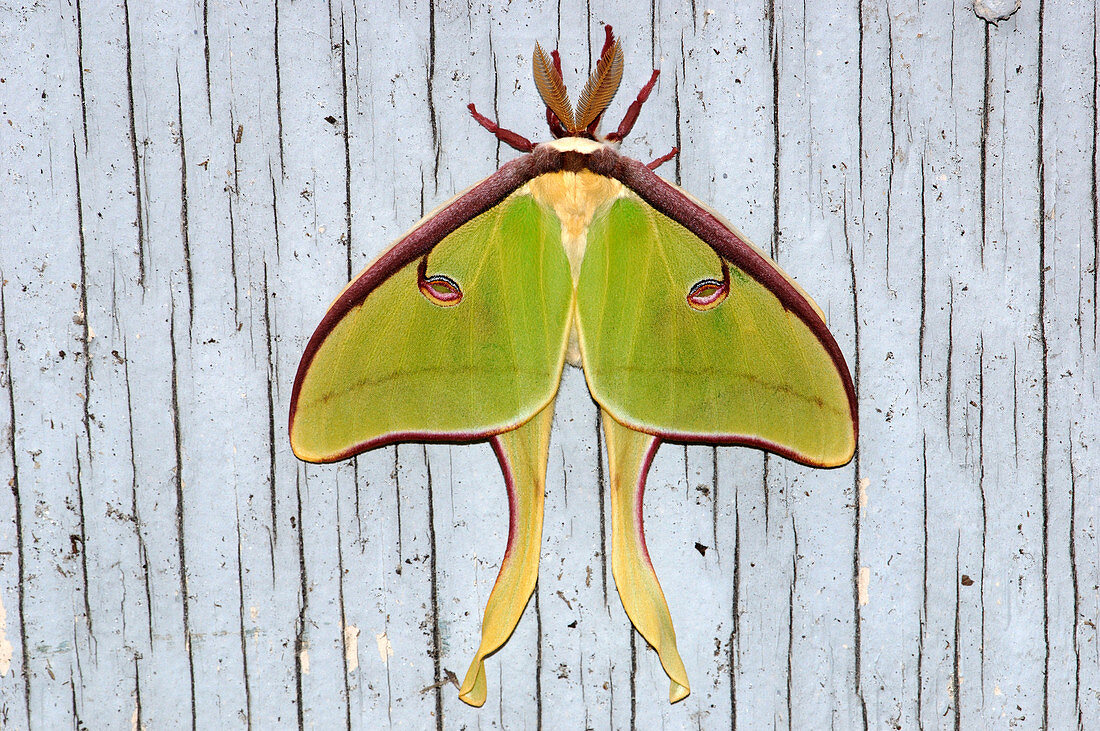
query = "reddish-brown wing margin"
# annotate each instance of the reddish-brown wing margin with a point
(670, 201)
(413, 245)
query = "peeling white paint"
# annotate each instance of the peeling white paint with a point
(303, 659)
(863, 484)
(5, 645)
(351, 647)
(995, 10)
(864, 585)
(385, 649)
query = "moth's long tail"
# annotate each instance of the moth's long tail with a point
(523, 454)
(629, 454)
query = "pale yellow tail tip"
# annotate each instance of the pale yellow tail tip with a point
(473, 689)
(677, 692)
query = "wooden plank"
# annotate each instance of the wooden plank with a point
(189, 186)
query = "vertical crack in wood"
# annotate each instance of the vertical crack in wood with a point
(139, 216)
(206, 53)
(437, 146)
(437, 641)
(278, 105)
(947, 390)
(134, 509)
(922, 629)
(610, 694)
(496, 93)
(601, 495)
(773, 53)
(955, 673)
(984, 144)
(633, 679)
(422, 186)
(687, 477)
(185, 228)
(1040, 153)
(347, 144)
(397, 498)
(653, 33)
(1095, 188)
(389, 682)
(177, 439)
(676, 108)
(85, 327)
(1015, 411)
(859, 108)
(735, 618)
(274, 210)
(764, 474)
(985, 516)
(138, 723)
(1074, 582)
(588, 40)
(790, 626)
(80, 73)
(231, 192)
(83, 539)
(303, 608)
(271, 381)
(857, 629)
(557, 33)
(714, 501)
(923, 275)
(538, 660)
(240, 621)
(893, 137)
(584, 701)
(343, 611)
(358, 509)
(18, 506)
(78, 723)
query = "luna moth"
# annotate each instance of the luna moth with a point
(574, 254)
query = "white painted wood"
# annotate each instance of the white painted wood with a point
(178, 181)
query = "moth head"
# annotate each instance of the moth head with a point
(595, 97)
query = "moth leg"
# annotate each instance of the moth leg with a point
(664, 158)
(629, 454)
(634, 110)
(506, 136)
(523, 454)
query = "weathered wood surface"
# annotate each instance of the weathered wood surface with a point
(187, 185)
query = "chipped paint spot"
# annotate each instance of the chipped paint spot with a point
(303, 658)
(5, 645)
(863, 483)
(351, 645)
(864, 585)
(253, 612)
(992, 11)
(997, 690)
(385, 649)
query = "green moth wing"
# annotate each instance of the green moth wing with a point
(459, 342)
(458, 332)
(706, 340)
(689, 333)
